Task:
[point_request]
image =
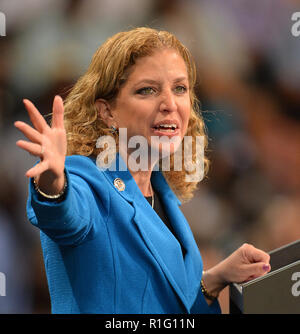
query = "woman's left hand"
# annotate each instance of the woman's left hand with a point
(245, 264)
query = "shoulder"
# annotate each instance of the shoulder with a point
(80, 161)
(78, 166)
(86, 177)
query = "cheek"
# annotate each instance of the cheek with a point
(125, 113)
(185, 118)
(141, 116)
(136, 119)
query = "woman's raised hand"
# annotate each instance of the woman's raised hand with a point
(47, 143)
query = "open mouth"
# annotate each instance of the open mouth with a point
(171, 128)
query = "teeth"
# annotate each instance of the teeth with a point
(167, 129)
(167, 126)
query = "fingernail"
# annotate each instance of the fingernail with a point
(266, 267)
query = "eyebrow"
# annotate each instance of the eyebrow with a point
(151, 81)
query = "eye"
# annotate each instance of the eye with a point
(180, 89)
(146, 91)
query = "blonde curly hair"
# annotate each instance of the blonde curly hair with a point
(108, 71)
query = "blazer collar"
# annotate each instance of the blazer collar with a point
(118, 169)
(183, 274)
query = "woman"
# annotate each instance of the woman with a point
(115, 240)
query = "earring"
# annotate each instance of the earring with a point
(113, 129)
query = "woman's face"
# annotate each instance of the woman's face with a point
(155, 100)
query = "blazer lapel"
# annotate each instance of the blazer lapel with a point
(163, 246)
(192, 261)
(183, 274)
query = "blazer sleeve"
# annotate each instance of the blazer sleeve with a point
(200, 306)
(72, 220)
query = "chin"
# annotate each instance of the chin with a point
(165, 146)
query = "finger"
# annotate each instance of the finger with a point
(255, 255)
(255, 270)
(32, 148)
(58, 113)
(36, 118)
(29, 132)
(38, 169)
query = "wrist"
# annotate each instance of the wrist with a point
(50, 183)
(210, 296)
(213, 282)
(55, 190)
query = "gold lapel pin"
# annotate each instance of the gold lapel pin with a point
(119, 184)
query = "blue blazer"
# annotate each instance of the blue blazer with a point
(107, 251)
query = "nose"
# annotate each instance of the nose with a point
(168, 101)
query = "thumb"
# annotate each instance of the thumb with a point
(258, 269)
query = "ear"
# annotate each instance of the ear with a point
(104, 112)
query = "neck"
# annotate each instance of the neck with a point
(142, 178)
